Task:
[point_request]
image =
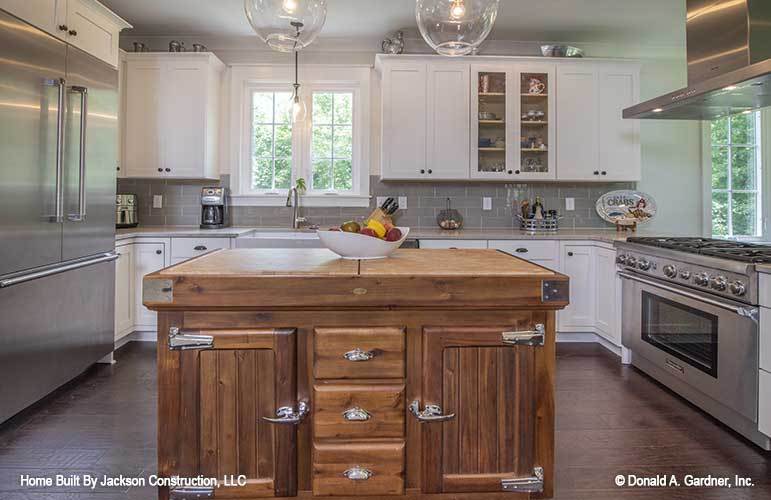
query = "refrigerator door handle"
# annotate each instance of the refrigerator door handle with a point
(58, 215)
(57, 269)
(81, 215)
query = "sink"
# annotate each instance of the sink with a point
(279, 238)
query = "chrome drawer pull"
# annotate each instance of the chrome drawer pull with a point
(358, 355)
(431, 413)
(356, 414)
(190, 493)
(358, 473)
(535, 337)
(288, 415)
(179, 341)
(532, 484)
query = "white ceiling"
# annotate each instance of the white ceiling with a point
(655, 23)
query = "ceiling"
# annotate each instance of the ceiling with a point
(659, 23)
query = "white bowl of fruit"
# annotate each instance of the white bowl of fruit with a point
(374, 240)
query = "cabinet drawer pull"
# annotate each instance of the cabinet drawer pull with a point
(358, 474)
(522, 250)
(179, 341)
(357, 355)
(191, 493)
(200, 248)
(431, 413)
(356, 414)
(530, 338)
(288, 415)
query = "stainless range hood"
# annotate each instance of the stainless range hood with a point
(729, 63)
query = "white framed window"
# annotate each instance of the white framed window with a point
(735, 176)
(329, 149)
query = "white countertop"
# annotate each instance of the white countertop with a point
(179, 231)
(604, 235)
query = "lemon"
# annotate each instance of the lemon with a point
(379, 228)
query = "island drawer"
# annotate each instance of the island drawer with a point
(363, 469)
(358, 411)
(358, 353)
(186, 248)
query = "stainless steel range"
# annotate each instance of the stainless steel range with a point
(690, 319)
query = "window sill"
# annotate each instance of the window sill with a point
(355, 201)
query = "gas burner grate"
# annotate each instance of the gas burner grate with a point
(725, 249)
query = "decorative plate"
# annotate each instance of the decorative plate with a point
(626, 208)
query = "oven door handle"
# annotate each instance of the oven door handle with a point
(747, 312)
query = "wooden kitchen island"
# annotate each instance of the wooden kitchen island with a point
(429, 374)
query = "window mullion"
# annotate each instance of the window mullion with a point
(730, 217)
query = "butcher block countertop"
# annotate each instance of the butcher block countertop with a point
(292, 278)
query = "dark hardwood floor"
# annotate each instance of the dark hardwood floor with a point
(610, 420)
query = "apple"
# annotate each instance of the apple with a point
(394, 234)
(368, 232)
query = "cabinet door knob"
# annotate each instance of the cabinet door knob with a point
(73, 33)
(159, 252)
(511, 172)
(200, 248)
(168, 170)
(570, 254)
(430, 171)
(160, 170)
(63, 27)
(516, 172)
(422, 171)
(118, 169)
(596, 172)
(604, 173)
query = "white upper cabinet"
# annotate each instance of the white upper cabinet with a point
(578, 138)
(619, 138)
(448, 124)
(517, 119)
(86, 24)
(172, 115)
(405, 116)
(594, 142)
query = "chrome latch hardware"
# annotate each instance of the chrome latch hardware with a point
(191, 493)
(288, 415)
(535, 337)
(431, 413)
(179, 341)
(525, 484)
(359, 355)
(358, 474)
(356, 414)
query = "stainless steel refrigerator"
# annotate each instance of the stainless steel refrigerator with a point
(58, 157)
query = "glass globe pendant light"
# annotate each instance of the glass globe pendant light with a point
(276, 21)
(455, 27)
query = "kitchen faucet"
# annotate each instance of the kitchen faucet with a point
(293, 200)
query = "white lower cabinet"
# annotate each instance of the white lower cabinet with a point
(124, 291)
(764, 411)
(148, 257)
(608, 295)
(577, 262)
(445, 244)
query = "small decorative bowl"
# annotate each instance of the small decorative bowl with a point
(360, 246)
(561, 51)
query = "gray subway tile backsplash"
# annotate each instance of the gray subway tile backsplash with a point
(424, 201)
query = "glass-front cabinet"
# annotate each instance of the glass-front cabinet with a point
(512, 122)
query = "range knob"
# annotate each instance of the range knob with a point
(685, 275)
(621, 259)
(631, 261)
(701, 279)
(718, 283)
(643, 265)
(670, 271)
(737, 288)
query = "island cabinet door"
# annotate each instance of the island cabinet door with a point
(217, 388)
(480, 408)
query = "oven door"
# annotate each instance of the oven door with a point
(709, 343)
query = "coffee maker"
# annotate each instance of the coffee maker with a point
(214, 208)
